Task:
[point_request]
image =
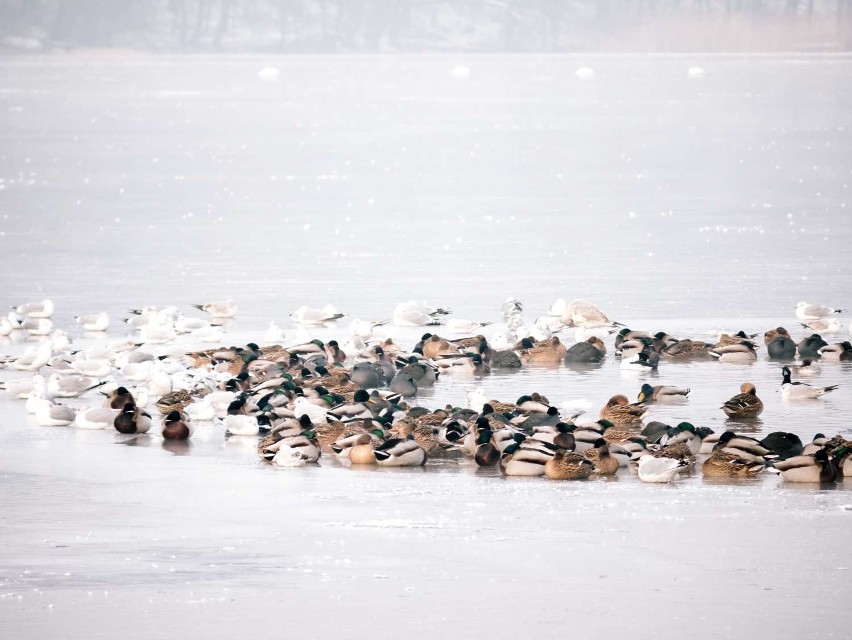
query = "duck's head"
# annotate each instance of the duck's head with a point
(361, 396)
(686, 426)
(645, 392)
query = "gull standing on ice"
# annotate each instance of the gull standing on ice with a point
(807, 312)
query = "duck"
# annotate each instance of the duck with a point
(589, 351)
(358, 448)
(744, 447)
(550, 353)
(810, 347)
(807, 312)
(816, 468)
(808, 368)
(618, 410)
(683, 349)
(683, 433)
(799, 390)
(647, 359)
(783, 444)
(486, 453)
(660, 470)
(397, 452)
(740, 352)
(779, 344)
(565, 465)
(662, 393)
(561, 434)
(839, 352)
(435, 346)
(132, 419)
(745, 404)
(723, 464)
(605, 464)
(525, 458)
(176, 427)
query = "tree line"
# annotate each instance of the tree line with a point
(430, 25)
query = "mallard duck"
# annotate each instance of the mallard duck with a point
(684, 349)
(534, 403)
(561, 434)
(839, 352)
(118, 398)
(176, 427)
(723, 464)
(741, 352)
(745, 404)
(436, 347)
(743, 446)
(174, 401)
(525, 458)
(590, 351)
(810, 347)
(799, 390)
(565, 465)
(779, 344)
(605, 464)
(618, 410)
(726, 339)
(486, 453)
(683, 433)
(843, 459)
(644, 360)
(783, 444)
(132, 419)
(551, 352)
(397, 452)
(358, 448)
(820, 441)
(804, 468)
(680, 451)
(661, 393)
(653, 469)
(426, 435)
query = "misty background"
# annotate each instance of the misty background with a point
(427, 25)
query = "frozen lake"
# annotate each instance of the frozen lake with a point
(681, 202)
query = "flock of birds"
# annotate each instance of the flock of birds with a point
(353, 399)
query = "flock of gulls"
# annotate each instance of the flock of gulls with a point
(354, 399)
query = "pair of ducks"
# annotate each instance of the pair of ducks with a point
(133, 419)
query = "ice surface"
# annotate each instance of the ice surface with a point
(131, 182)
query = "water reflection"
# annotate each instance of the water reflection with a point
(177, 447)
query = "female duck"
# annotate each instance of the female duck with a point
(618, 410)
(565, 465)
(745, 404)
